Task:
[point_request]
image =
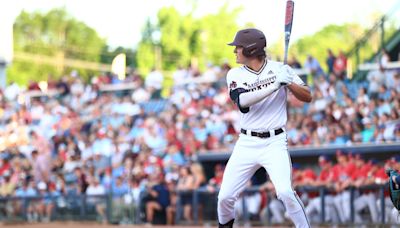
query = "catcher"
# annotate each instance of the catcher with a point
(394, 188)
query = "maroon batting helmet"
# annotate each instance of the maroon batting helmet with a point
(252, 40)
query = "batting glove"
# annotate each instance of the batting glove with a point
(285, 75)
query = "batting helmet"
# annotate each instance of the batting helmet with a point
(252, 40)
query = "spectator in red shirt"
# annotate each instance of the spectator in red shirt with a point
(324, 179)
(364, 176)
(4, 164)
(343, 182)
(340, 65)
(215, 182)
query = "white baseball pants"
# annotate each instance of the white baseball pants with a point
(249, 154)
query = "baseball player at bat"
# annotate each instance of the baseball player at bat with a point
(259, 89)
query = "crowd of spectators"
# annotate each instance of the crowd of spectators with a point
(342, 176)
(84, 139)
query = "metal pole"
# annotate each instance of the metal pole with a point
(352, 204)
(382, 196)
(178, 207)
(195, 202)
(322, 195)
(109, 199)
(83, 206)
(382, 33)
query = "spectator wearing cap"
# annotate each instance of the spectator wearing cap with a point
(342, 172)
(102, 145)
(364, 176)
(325, 179)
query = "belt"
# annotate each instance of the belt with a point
(266, 134)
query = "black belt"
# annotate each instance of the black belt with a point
(261, 134)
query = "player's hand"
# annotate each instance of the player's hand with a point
(285, 75)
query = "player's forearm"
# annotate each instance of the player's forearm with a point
(301, 92)
(250, 98)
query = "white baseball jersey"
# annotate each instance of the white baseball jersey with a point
(251, 151)
(269, 113)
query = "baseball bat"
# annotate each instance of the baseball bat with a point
(288, 27)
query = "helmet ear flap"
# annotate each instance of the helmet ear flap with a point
(249, 52)
(246, 52)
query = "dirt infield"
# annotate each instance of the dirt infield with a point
(98, 225)
(85, 225)
(91, 224)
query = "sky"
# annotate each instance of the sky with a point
(121, 21)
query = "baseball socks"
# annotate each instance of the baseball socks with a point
(226, 225)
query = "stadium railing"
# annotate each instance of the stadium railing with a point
(65, 207)
(83, 207)
(245, 219)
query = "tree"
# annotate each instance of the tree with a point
(55, 35)
(337, 37)
(145, 50)
(218, 30)
(187, 40)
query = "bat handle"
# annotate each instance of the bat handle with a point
(287, 38)
(285, 56)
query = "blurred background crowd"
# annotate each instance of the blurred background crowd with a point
(84, 139)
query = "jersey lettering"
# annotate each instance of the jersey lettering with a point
(269, 113)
